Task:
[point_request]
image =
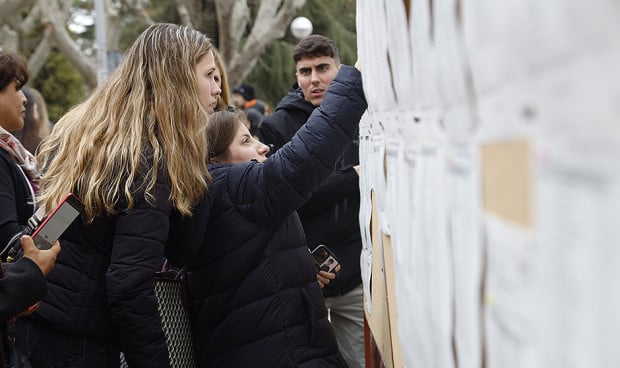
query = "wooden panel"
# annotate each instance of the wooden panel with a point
(507, 181)
(383, 320)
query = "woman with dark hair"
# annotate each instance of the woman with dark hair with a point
(22, 283)
(255, 300)
(20, 177)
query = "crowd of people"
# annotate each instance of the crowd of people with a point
(199, 174)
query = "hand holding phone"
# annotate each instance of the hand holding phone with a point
(324, 277)
(46, 229)
(45, 259)
(324, 258)
(57, 222)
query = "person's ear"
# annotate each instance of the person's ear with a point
(212, 160)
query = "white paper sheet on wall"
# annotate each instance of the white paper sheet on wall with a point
(515, 45)
(422, 258)
(511, 312)
(488, 29)
(377, 164)
(581, 99)
(393, 153)
(464, 238)
(508, 113)
(425, 94)
(366, 208)
(451, 74)
(400, 52)
(372, 33)
(578, 211)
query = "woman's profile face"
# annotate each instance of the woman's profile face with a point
(245, 148)
(12, 107)
(207, 84)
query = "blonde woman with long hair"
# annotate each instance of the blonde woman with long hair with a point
(134, 152)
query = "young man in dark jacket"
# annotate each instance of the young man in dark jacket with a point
(331, 215)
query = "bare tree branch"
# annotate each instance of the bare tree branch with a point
(40, 55)
(136, 7)
(232, 20)
(183, 11)
(56, 21)
(12, 7)
(31, 19)
(271, 22)
(8, 38)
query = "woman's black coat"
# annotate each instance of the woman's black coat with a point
(102, 284)
(255, 299)
(16, 199)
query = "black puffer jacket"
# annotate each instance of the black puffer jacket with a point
(291, 114)
(255, 298)
(16, 199)
(102, 283)
(331, 215)
(22, 284)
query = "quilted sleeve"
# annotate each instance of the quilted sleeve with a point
(137, 253)
(294, 172)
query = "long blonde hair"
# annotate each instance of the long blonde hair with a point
(145, 118)
(224, 99)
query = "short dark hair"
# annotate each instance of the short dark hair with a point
(13, 67)
(314, 46)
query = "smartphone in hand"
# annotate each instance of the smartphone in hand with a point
(45, 228)
(56, 222)
(324, 258)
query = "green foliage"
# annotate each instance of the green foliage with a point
(60, 85)
(274, 74)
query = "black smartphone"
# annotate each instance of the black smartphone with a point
(324, 258)
(56, 222)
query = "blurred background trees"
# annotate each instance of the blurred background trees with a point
(253, 37)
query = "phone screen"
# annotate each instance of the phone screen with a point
(324, 258)
(56, 223)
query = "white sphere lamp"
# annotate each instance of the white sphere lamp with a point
(301, 27)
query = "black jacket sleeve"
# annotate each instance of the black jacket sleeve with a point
(288, 178)
(22, 284)
(137, 254)
(9, 218)
(338, 186)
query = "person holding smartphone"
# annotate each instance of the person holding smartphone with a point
(22, 287)
(254, 296)
(134, 152)
(331, 215)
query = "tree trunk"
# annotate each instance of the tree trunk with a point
(241, 54)
(56, 20)
(11, 8)
(40, 55)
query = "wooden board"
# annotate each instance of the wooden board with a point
(383, 320)
(507, 180)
